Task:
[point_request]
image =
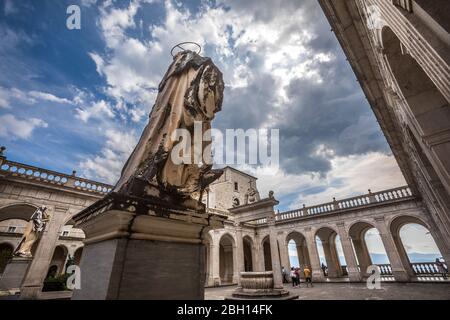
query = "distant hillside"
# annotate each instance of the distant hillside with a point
(379, 258)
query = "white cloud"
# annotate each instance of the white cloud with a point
(108, 164)
(98, 110)
(9, 7)
(48, 97)
(8, 96)
(12, 127)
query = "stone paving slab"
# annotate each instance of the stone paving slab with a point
(356, 291)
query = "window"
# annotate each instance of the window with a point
(11, 229)
(236, 187)
(65, 233)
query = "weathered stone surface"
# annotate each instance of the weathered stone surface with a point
(14, 274)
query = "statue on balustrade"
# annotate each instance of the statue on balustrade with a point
(33, 230)
(191, 91)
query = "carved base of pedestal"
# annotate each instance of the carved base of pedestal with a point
(276, 294)
(14, 274)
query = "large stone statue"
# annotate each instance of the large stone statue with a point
(153, 219)
(191, 91)
(32, 232)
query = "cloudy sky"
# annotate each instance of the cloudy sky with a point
(79, 99)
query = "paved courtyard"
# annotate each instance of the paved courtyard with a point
(356, 291)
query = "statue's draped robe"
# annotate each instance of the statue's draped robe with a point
(31, 234)
(191, 90)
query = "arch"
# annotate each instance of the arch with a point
(395, 227)
(59, 259)
(267, 253)
(226, 258)
(22, 211)
(296, 242)
(6, 253)
(359, 232)
(327, 237)
(77, 256)
(248, 253)
(399, 221)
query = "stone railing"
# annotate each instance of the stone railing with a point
(385, 269)
(15, 169)
(370, 198)
(426, 269)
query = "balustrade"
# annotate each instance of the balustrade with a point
(385, 269)
(426, 268)
(349, 203)
(15, 169)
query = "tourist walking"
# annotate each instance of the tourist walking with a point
(297, 276)
(307, 274)
(324, 269)
(283, 273)
(293, 277)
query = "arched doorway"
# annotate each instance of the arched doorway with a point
(77, 256)
(226, 254)
(267, 254)
(298, 250)
(248, 253)
(59, 260)
(330, 253)
(417, 246)
(369, 248)
(6, 251)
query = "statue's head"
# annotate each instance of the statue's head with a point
(43, 208)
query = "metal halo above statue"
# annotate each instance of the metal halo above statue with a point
(181, 44)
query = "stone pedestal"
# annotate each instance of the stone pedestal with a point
(139, 249)
(14, 274)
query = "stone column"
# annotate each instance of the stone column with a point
(352, 265)
(284, 254)
(317, 274)
(33, 282)
(259, 255)
(276, 268)
(363, 255)
(333, 271)
(215, 258)
(239, 253)
(305, 254)
(398, 270)
(403, 255)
